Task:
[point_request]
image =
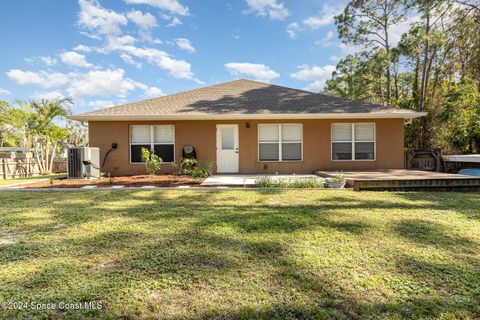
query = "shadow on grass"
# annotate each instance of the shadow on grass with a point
(428, 232)
(465, 203)
(202, 246)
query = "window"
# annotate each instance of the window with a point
(280, 142)
(159, 139)
(228, 137)
(353, 141)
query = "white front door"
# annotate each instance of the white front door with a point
(227, 148)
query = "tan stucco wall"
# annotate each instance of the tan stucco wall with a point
(202, 135)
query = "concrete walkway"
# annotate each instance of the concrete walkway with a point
(249, 179)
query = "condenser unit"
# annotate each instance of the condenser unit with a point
(83, 163)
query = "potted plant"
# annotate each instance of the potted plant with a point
(338, 181)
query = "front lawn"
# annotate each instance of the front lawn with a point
(7, 182)
(200, 254)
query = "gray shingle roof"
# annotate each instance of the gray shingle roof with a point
(241, 98)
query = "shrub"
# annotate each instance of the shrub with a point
(264, 182)
(187, 165)
(152, 161)
(268, 182)
(175, 168)
(311, 182)
(339, 177)
(203, 170)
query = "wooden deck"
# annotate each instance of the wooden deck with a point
(403, 180)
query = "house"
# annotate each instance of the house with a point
(246, 126)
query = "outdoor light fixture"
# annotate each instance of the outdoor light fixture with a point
(247, 124)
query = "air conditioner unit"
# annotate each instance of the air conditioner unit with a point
(83, 163)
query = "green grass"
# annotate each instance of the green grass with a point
(268, 182)
(7, 182)
(278, 254)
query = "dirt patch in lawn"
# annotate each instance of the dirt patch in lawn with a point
(166, 180)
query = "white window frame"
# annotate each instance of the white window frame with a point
(152, 144)
(279, 125)
(353, 141)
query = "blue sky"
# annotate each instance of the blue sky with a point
(110, 52)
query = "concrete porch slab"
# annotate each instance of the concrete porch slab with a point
(248, 179)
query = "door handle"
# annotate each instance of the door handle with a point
(236, 150)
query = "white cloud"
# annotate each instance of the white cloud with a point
(153, 92)
(327, 40)
(42, 79)
(144, 21)
(50, 95)
(82, 48)
(185, 44)
(319, 75)
(101, 83)
(94, 17)
(396, 31)
(105, 24)
(177, 68)
(4, 92)
(172, 6)
(308, 73)
(129, 60)
(150, 92)
(99, 104)
(257, 71)
(174, 21)
(351, 49)
(75, 59)
(30, 61)
(46, 60)
(292, 29)
(108, 82)
(316, 86)
(271, 8)
(334, 58)
(147, 36)
(326, 17)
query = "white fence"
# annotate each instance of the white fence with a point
(18, 168)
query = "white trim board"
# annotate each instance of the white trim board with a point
(372, 115)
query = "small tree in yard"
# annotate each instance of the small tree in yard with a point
(46, 133)
(152, 161)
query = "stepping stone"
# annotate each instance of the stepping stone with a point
(183, 187)
(17, 187)
(89, 187)
(222, 187)
(148, 187)
(117, 187)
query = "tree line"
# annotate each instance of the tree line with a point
(43, 126)
(435, 67)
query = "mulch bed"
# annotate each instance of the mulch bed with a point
(165, 180)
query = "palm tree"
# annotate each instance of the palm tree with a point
(46, 132)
